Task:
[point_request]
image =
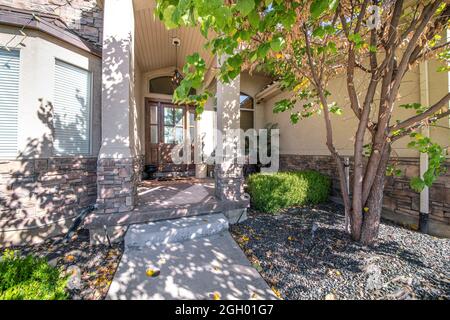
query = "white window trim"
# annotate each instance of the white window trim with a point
(91, 110)
(19, 50)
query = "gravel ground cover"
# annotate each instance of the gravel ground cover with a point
(304, 253)
(90, 268)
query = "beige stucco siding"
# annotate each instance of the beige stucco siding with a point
(308, 136)
(36, 88)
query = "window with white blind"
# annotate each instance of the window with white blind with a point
(9, 102)
(72, 109)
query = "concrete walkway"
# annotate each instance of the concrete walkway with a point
(192, 269)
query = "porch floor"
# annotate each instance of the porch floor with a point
(162, 200)
(175, 193)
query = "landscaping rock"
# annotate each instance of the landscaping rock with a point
(403, 264)
(373, 281)
(74, 281)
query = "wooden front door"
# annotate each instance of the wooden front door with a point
(165, 126)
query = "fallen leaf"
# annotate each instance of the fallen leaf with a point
(258, 267)
(330, 296)
(69, 258)
(151, 272)
(254, 296)
(277, 293)
(216, 296)
(243, 239)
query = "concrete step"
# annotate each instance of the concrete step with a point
(176, 230)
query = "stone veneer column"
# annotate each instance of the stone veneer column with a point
(116, 173)
(228, 174)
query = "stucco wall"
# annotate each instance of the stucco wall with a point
(344, 126)
(84, 17)
(36, 90)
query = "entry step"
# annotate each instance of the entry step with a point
(176, 230)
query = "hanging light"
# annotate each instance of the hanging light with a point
(177, 77)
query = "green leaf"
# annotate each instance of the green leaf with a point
(283, 105)
(277, 44)
(295, 117)
(320, 6)
(253, 18)
(334, 108)
(415, 106)
(168, 17)
(417, 184)
(319, 32)
(263, 50)
(245, 6)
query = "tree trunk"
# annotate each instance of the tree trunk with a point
(372, 214)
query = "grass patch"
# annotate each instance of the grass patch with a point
(30, 278)
(273, 192)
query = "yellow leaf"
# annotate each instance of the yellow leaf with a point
(243, 239)
(366, 209)
(301, 85)
(70, 258)
(277, 293)
(291, 238)
(150, 272)
(216, 296)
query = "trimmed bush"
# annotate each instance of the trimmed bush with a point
(30, 278)
(273, 192)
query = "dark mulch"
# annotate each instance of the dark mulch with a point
(305, 253)
(91, 268)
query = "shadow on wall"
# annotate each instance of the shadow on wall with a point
(40, 196)
(119, 165)
(116, 83)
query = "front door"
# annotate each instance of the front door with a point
(166, 125)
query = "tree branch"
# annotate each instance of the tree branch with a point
(418, 118)
(420, 124)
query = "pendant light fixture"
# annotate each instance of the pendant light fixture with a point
(177, 76)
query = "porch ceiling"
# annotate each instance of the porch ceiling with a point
(154, 49)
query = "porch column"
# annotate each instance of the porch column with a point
(116, 177)
(228, 173)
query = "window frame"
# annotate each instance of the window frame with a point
(174, 126)
(19, 98)
(90, 113)
(252, 110)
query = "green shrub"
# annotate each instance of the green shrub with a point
(30, 278)
(272, 192)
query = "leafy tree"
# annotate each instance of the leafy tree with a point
(305, 43)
